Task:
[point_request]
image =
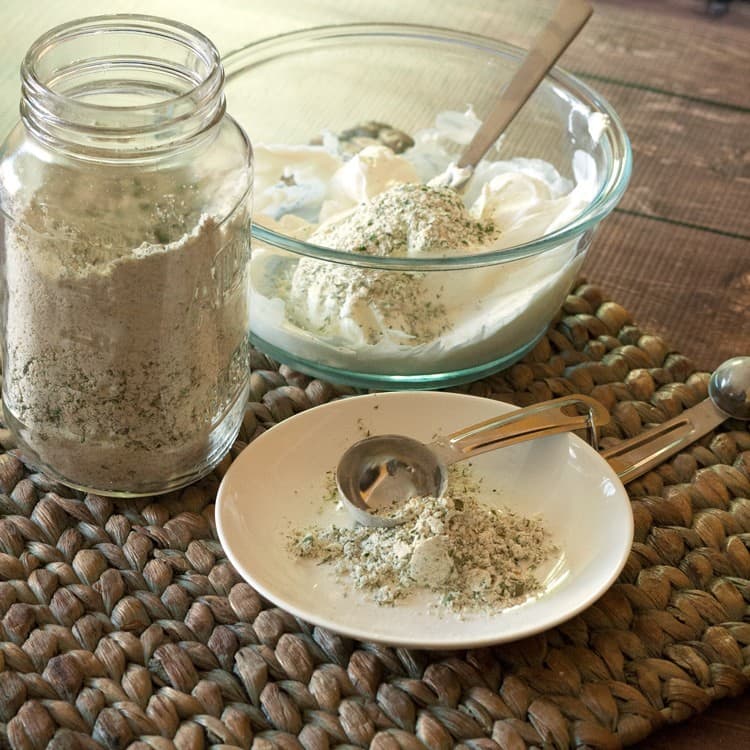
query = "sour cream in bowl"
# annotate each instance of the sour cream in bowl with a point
(364, 273)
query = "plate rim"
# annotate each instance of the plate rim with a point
(415, 642)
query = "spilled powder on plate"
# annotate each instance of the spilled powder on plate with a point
(473, 556)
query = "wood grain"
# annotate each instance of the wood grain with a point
(724, 726)
(690, 286)
(691, 161)
(669, 46)
(677, 251)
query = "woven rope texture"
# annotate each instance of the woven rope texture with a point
(122, 624)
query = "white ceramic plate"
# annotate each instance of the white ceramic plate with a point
(279, 482)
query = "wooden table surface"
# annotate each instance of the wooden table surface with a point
(676, 252)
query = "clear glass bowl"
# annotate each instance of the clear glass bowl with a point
(291, 88)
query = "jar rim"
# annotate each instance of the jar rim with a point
(51, 111)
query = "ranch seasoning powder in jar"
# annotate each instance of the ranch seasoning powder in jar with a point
(125, 207)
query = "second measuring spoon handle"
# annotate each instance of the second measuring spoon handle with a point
(539, 420)
(634, 457)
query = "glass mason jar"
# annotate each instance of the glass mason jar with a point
(125, 194)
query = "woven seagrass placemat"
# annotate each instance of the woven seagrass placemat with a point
(124, 625)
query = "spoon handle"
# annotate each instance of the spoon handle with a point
(633, 458)
(630, 459)
(569, 18)
(539, 420)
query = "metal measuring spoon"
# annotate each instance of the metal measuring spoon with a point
(378, 474)
(729, 396)
(568, 20)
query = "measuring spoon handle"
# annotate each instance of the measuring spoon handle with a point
(539, 420)
(634, 457)
(630, 459)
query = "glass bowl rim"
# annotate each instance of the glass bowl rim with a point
(238, 61)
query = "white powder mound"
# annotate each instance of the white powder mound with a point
(125, 333)
(474, 557)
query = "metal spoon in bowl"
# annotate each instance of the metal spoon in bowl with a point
(378, 474)
(568, 20)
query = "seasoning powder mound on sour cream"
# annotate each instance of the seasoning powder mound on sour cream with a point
(364, 305)
(376, 204)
